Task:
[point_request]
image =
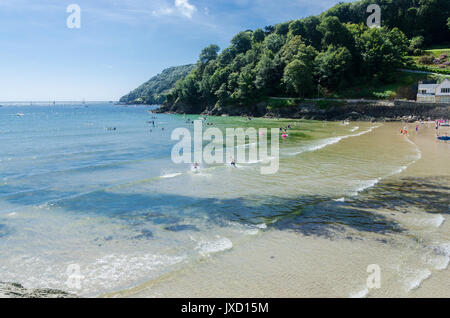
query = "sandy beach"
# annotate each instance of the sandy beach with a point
(287, 263)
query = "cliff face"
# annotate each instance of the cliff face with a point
(333, 110)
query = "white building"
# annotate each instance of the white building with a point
(432, 92)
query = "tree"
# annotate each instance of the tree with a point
(416, 45)
(269, 29)
(268, 72)
(312, 36)
(297, 27)
(335, 33)
(190, 90)
(273, 42)
(383, 51)
(282, 28)
(332, 66)
(245, 91)
(290, 49)
(298, 77)
(242, 42)
(258, 36)
(209, 53)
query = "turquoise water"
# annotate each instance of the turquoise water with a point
(75, 191)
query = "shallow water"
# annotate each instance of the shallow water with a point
(113, 203)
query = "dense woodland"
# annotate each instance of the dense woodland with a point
(313, 56)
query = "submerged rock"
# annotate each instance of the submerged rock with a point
(15, 290)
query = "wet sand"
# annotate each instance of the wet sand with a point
(289, 263)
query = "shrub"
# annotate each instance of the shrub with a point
(418, 52)
(426, 59)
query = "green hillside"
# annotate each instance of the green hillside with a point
(436, 61)
(319, 56)
(153, 91)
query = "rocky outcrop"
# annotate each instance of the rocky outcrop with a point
(14, 290)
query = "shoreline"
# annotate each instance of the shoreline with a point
(288, 264)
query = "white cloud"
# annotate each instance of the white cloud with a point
(185, 8)
(182, 7)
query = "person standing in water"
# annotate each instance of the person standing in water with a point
(233, 162)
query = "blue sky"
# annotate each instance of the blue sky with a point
(121, 43)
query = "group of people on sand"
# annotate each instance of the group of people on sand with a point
(438, 124)
(442, 123)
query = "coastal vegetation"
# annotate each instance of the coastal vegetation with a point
(153, 91)
(332, 55)
(435, 60)
(403, 87)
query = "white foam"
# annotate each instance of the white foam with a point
(171, 175)
(12, 214)
(340, 199)
(319, 145)
(437, 220)
(418, 151)
(108, 270)
(251, 231)
(329, 141)
(399, 170)
(254, 229)
(439, 256)
(433, 220)
(214, 246)
(354, 129)
(359, 294)
(246, 145)
(366, 185)
(99, 275)
(417, 280)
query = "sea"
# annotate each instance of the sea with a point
(92, 203)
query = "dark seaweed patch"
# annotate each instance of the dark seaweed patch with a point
(181, 227)
(145, 234)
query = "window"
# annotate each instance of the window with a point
(445, 90)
